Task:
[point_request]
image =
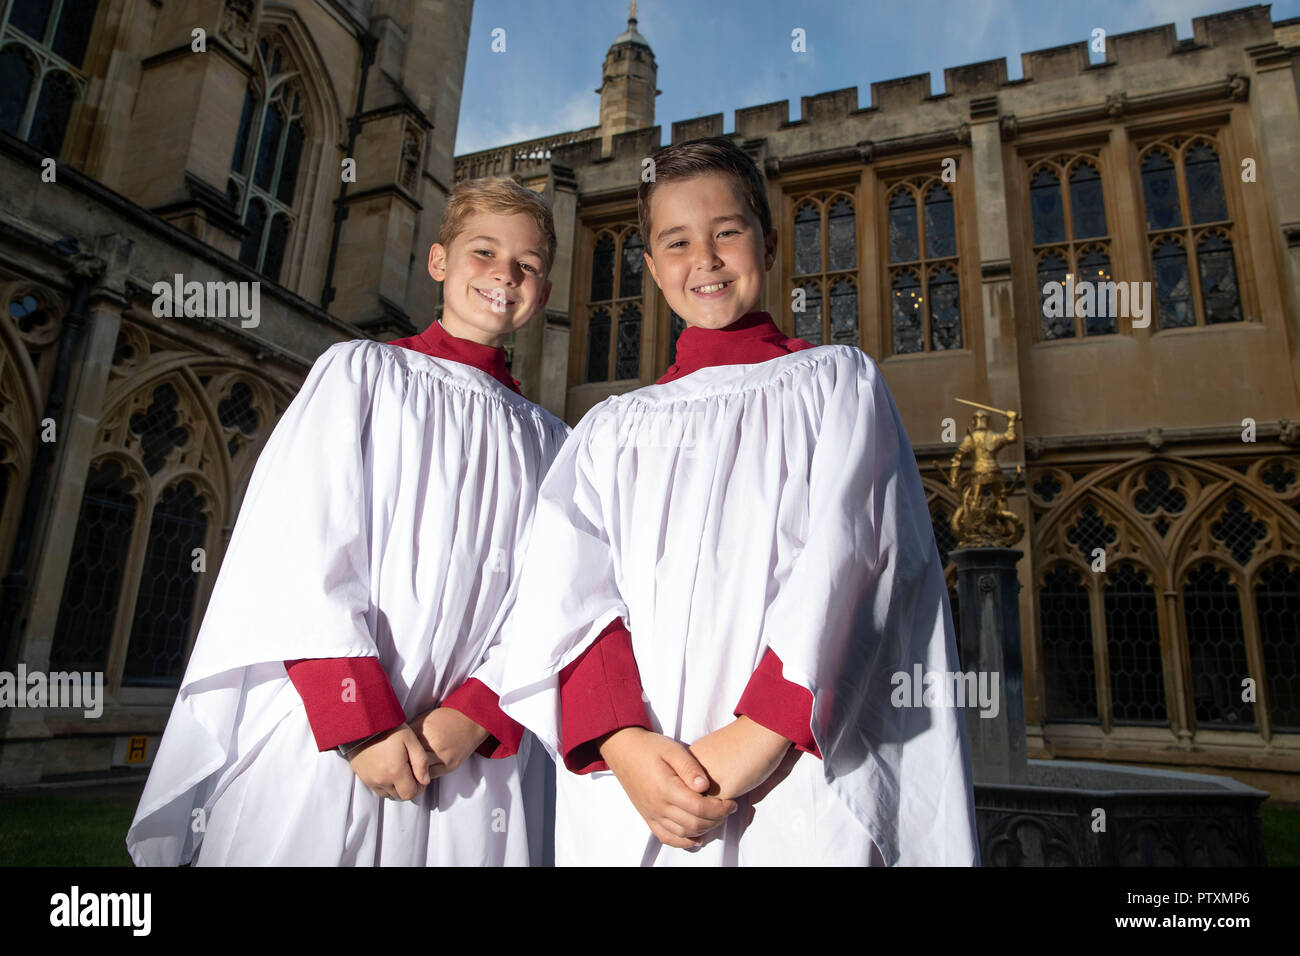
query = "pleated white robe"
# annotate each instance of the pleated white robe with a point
(385, 517)
(734, 509)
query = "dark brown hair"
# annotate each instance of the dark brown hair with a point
(696, 158)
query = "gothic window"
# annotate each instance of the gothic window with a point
(41, 62)
(268, 153)
(164, 607)
(825, 269)
(1190, 235)
(1137, 685)
(614, 306)
(1216, 649)
(93, 585)
(1071, 244)
(1277, 603)
(1069, 670)
(924, 289)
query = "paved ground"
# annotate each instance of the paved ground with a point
(121, 792)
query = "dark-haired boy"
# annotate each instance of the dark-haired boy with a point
(738, 557)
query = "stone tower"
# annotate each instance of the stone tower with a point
(627, 87)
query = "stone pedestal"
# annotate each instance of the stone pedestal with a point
(989, 630)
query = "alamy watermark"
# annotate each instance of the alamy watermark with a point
(921, 688)
(213, 300)
(77, 690)
(1088, 299)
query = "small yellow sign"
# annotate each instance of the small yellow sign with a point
(136, 748)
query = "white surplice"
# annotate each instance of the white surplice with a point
(385, 517)
(740, 508)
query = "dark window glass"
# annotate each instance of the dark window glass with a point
(844, 312)
(15, 87)
(903, 243)
(272, 127)
(940, 228)
(841, 224)
(276, 238)
(1052, 269)
(1277, 601)
(1094, 266)
(676, 326)
(602, 270)
(1137, 682)
(1069, 666)
(255, 223)
(945, 310)
(807, 240)
(629, 282)
(92, 587)
(289, 165)
(1173, 284)
(1045, 207)
(165, 604)
(159, 427)
(53, 109)
(1217, 649)
(72, 35)
(1160, 191)
(907, 312)
(598, 346)
(627, 362)
(1218, 279)
(808, 323)
(241, 139)
(1205, 184)
(31, 16)
(1087, 207)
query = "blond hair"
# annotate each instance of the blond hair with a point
(502, 197)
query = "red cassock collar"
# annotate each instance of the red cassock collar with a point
(438, 342)
(751, 338)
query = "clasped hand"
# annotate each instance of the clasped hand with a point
(683, 792)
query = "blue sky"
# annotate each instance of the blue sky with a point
(715, 56)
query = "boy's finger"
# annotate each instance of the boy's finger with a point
(708, 808)
(688, 824)
(690, 770)
(418, 756)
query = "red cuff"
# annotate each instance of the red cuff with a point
(600, 692)
(476, 701)
(779, 705)
(340, 712)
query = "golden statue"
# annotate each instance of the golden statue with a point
(982, 519)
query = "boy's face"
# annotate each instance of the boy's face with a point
(493, 275)
(706, 252)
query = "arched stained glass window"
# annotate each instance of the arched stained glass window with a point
(41, 78)
(614, 307)
(1190, 233)
(825, 268)
(267, 158)
(924, 318)
(1067, 206)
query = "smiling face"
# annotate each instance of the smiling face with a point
(706, 251)
(493, 275)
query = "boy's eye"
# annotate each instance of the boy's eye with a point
(483, 252)
(528, 267)
(679, 242)
(729, 232)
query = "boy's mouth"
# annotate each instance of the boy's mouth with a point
(713, 289)
(492, 299)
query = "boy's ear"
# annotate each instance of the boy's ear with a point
(650, 264)
(438, 261)
(769, 246)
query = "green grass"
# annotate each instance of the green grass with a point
(61, 831)
(1281, 835)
